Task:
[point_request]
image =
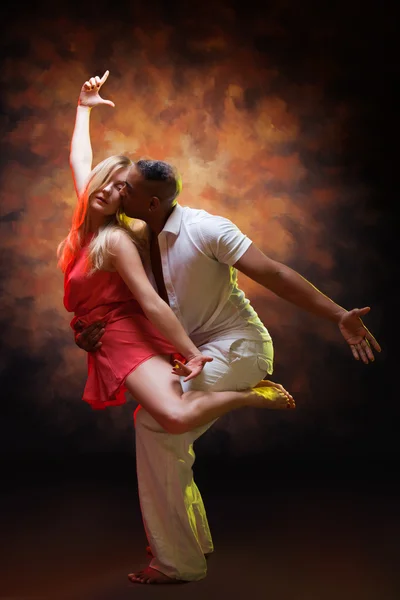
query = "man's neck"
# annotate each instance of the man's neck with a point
(157, 223)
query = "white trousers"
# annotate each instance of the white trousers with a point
(173, 512)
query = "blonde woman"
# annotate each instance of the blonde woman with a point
(105, 281)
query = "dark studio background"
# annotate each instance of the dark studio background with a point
(282, 119)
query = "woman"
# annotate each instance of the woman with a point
(105, 280)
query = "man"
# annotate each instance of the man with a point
(194, 257)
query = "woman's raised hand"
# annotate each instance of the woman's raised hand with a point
(90, 96)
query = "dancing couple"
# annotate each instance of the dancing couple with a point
(153, 286)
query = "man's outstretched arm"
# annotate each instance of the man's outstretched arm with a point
(291, 286)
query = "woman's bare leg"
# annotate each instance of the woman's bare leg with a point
(205, 406)
(158, 390)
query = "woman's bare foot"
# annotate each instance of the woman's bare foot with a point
(267, 394)
(149, 575)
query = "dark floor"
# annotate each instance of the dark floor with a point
(73, 531)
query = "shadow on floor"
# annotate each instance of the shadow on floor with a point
(74, 532)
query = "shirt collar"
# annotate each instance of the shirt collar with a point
(173, 224)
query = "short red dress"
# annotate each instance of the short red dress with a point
(129, 337)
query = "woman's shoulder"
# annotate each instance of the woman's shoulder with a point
(119, 234)
(120, 241)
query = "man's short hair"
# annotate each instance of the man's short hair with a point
(160, 171)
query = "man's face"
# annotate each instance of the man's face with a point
(135, 196)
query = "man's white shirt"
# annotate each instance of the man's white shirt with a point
(197, 253)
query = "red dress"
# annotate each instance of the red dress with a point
(129, 337)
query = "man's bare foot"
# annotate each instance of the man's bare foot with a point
(149, 575)
(267, 394)
(149, 553)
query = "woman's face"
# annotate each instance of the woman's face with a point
(107, 200)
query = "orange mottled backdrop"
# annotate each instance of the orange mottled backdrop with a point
(261, 115)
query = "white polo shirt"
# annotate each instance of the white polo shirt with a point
(197, 253)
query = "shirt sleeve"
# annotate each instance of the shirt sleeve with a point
(222, 239)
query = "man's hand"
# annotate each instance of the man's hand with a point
(88, 338)
(90, 96)
(357, 335)
(192, 368)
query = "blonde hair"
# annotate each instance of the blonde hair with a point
(100, 247)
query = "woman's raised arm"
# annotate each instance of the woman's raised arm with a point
(81, 155)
